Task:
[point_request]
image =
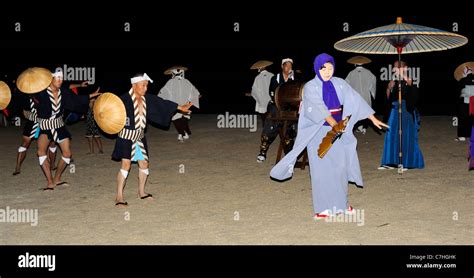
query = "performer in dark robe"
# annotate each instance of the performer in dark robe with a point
(466, 89)
(270, 127)
(412, 156)
(50, 105)
(131, 145)
(471, 143)
(30, 131)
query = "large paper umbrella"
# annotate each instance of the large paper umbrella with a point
(109, 113)
(34, 80)
(395, 39)
(5, 95)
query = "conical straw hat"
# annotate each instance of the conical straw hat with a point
(458, 73)
(5, 95)
(170, 70)
(359, 60)
(261, 64)
(34, 80)
(109, 113)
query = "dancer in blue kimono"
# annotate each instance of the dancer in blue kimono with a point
(326, 101)
(411, 154)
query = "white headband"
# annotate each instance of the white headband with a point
(287, 60)
(58, 73)
(141, 78)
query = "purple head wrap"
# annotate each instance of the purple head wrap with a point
(329, 92)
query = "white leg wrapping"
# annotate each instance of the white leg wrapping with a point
(144, 171)
(66, 159)
(52, 149)
(22, 149)
(42, 159)
(124, 173)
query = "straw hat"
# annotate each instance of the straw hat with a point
(459, 72)
(359, 60)
(170, 70)
(5, 95)
(261, 64)
(109, 113)
(34, 80)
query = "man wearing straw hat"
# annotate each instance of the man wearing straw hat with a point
(260, 88)
(270, 128)
(31, 132)
(364, 82)
(131, 144)
(180, 90)
(50, 105)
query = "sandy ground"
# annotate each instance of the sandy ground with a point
(226, 197)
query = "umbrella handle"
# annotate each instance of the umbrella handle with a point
(400, 129)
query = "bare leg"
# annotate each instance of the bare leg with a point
(121, 179)
(142, 178)
(52, 155)
(91, 145)
(64, 161)
(99, 144)
(22, 154)
(43, 143)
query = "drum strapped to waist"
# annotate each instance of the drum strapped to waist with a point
(288, 97)
(132, 134)
(48, 124)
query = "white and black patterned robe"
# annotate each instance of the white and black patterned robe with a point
(156, 110)
(31, 128)
(50, 113)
